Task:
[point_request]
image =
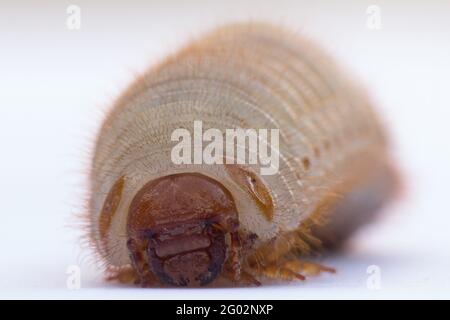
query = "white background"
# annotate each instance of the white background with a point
(56, 84)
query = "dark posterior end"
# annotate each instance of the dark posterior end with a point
(178, 225)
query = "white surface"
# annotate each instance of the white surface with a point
(55, 85)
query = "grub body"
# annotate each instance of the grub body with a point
(332, 148)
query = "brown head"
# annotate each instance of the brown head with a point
(177, 229)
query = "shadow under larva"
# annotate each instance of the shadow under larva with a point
(210, 218)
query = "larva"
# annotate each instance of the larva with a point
(157, 223)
